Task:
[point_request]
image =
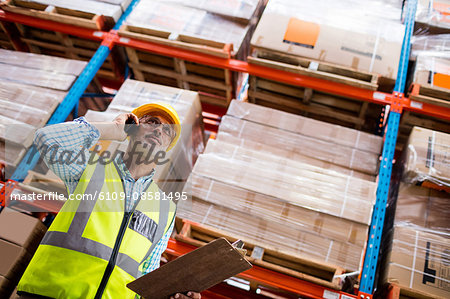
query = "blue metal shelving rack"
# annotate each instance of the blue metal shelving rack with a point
(384, 178)
(371, 257)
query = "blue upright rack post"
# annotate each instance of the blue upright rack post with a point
(70, 101)
(376, 228)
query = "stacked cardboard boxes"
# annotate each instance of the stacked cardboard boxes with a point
(31, 87)
(432, 17)
(20, 235)
(218, 28)
(255, 180)
(427, 159)
(418, 244)
(346, 33)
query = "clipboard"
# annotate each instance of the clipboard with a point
(195, 271)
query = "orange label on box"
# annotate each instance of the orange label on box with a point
(444, 10)
(441, 80)
(301, 33)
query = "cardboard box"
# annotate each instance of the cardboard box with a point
(21, 229)
(14, 260)
(272, 234)
(427, 155)
(296, 156)
(5, 287)
(341, 155)
(316, 30)
(277, 209)
(298, 183)
(419, 259)
(433, 16)
(423, 207)
(433, 69)
(306, 126)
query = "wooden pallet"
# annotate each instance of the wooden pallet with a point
(393, 290)
(58, 44)
(263, 256)
(427, 93)
(305, 101)
(5, 41)
(216, 85)
(58, 14)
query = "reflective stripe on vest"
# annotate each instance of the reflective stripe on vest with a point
(73, 240)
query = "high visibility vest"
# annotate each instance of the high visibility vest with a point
(94, 247)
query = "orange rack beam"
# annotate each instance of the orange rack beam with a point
(270, 278)
(112, 38)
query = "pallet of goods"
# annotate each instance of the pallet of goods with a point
(276, 195)
(99, 15)
(220, 28)
(416, 243)
(93, 14)
(323, 39)
(31, 87)
(432, 17)
(430, 83)
(426, 159)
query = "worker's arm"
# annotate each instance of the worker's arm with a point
(64, 148)
(115, 130)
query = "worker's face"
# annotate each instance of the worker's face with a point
(154, 134)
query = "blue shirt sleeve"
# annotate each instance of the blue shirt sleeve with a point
(153, 261)
(65, 147)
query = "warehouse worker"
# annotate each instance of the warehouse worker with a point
(96, 246)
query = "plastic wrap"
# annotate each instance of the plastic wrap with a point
(306, 126)
(423, 207)
(300, 184)
(170, 176)
(275, 235)
(180, 20)
(433, 68)
(427, 157)
(334, 32)
(432, 13)
(344, 156)
(242, 9)
(42, 62)
(430, 44)
(276, 209)
(31, 87)
(36, 77)
(89, 6)
(419, 259)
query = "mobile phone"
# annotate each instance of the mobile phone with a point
(130, 126)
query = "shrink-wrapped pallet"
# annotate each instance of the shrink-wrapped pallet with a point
(432, 17)
(197, 21)
(419, 260)
(344, 156)
(426, 159)
(333, 31)
(31, 87)
(423, 207)
(273, 195)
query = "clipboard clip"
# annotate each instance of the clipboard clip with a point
(239, 246)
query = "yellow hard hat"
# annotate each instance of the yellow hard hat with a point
(165, 110)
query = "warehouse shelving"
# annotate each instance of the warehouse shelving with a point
(397, 102)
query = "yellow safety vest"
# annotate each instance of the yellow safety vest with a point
(94, 247)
